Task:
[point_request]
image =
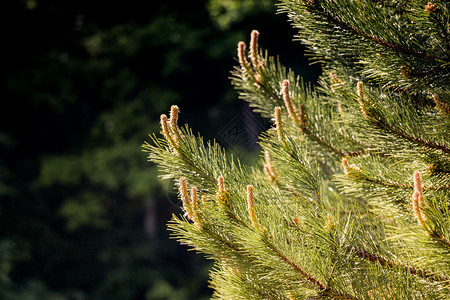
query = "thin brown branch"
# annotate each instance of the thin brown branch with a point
(438, 238)
(377, 40)
(426, 274)
(404, 186)
(319, 285)
(413, 139)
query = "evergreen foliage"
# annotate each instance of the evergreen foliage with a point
(351, 199)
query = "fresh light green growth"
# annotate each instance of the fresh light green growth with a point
(352, 197)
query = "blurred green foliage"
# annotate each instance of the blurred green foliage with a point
(226, 13)
(82, 215)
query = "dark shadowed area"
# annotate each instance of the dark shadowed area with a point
(82, 213)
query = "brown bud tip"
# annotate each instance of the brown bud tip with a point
(359, 89)
(250, 196)
(254, 47)
(194, 195)
(185, 197)
(241, 54)
(285, 91)
(174, 111)
(345, 166)
(278, 123)
(221, 184)
(431, 8)
(251, 206)
(164, 126)
(183, 189)
(417, 181)
(277, 113)
(254, 37)
(288, 102)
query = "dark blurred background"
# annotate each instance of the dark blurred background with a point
(82, 213)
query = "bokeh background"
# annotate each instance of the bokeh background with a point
(82, 213)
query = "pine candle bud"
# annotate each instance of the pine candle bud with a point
(185, 198)
(254, 48)
(221, 195)
(431, 8)
(288, 102)
(359, 89)
(278, 123)
(173, 121)
(221, 184)
(241, 55)
(418, 182)
(251, 206)
(174, 112)
(194, 202)
(166, 132)
(360, 93)
(194, 198)
(165, 127)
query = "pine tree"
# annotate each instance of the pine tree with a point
(351, 199)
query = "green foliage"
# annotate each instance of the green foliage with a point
(351, 199)
(225, 13)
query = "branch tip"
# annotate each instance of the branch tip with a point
(288, 102)
(251, 206)
(254, 48)
(241, 55)
(278, 123)
(185, 197)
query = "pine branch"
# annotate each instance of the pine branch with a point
(324, 290)
(443, 30)
(435, 236)
(429, 275)
(397, 48)
(274, 241)
(352, 171)
(416, 140)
